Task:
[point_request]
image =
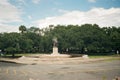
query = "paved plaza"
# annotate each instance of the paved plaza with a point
(100, 70)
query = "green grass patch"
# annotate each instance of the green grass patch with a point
(99, 56)
(110, 57)
(103, 56)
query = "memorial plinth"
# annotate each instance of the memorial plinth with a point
(55, 51)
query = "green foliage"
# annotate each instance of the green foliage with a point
(86, 38)
(22, 28)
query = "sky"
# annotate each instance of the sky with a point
(42, 13)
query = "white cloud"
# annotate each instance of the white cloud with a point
(8, 14)
(8, 28)
(92, 1)
(100, 16)
(36, 1)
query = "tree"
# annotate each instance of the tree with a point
(10, 43)
(34, 30)
(71, 38)
(22, 28)
(11, 50)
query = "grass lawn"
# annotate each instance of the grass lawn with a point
(99, 56)
(110, 57)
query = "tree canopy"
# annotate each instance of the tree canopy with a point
(22, 28)
(71, 39)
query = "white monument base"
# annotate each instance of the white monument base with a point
(55, 51)
(85, 56)
(54, 54)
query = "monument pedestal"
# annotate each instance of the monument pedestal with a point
(54, 55)
(55, 51)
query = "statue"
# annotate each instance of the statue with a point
(55, 46)
(55, 42)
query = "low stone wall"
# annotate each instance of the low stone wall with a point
(76, 55)
(56, 56)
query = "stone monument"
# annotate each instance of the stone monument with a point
(55, 46)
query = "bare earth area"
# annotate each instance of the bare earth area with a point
(60, 69)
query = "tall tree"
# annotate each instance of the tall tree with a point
(22, 28)
(33, 29)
